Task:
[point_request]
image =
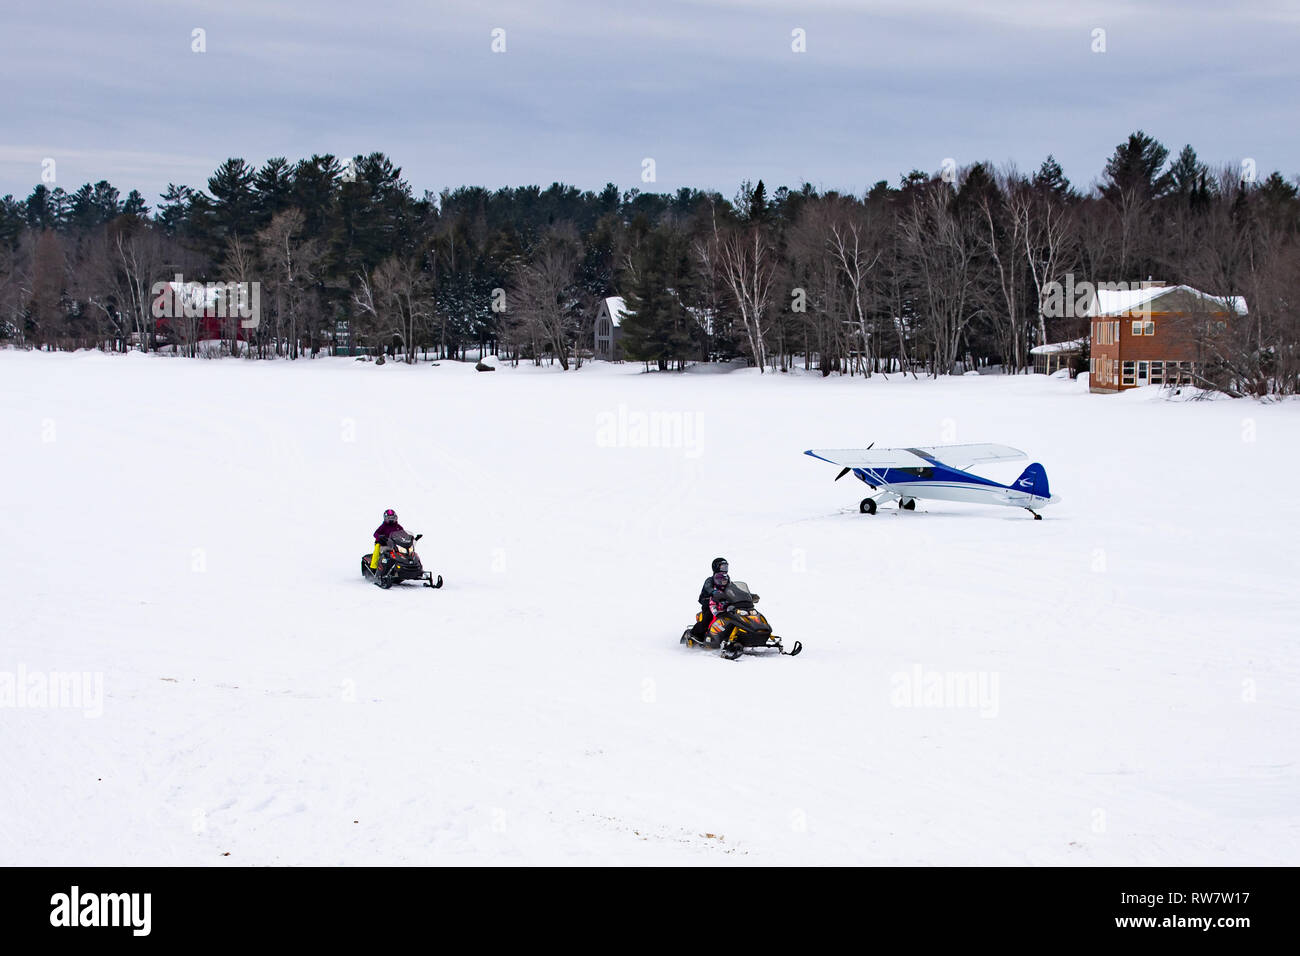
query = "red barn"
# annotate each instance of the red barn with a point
(212, 319)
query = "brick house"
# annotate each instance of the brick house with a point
(1153, 335)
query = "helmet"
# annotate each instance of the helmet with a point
(720, 564)
(390, 515)
(720, 580)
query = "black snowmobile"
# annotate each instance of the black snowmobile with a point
(738, 627)
(398, 562)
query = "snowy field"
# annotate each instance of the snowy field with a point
(186, 535)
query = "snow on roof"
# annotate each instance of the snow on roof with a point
(1120, 301)
(1074, 345)
(617, 309)
(195, 292)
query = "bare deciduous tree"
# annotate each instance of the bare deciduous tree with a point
(291, 259)
(746, 260)
(855, 252)
(941, 250)
(1046, 228)
(543, 303)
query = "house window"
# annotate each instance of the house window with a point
(1129, 372)
(1149, 328)
(1157, 373)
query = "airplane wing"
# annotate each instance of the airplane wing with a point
(873, 458)
(962, 457)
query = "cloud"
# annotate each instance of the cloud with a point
(709, 88)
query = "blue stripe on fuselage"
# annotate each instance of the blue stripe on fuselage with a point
(935, 472)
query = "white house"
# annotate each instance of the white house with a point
(608, 320)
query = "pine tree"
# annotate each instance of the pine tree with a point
(1189, 179)
(658, 327)
(1136, 166)
(273, 186)
(174, 210)
(233, 204)
(135, 205)
(1050, 179)
(40, 209)
(758, 210)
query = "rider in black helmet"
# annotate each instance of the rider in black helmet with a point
(701, 628)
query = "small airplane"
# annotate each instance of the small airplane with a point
(940, 471)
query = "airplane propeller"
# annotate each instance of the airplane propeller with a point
(845, 471)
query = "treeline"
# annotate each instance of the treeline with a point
(941, 273)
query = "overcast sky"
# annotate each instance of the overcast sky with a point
(711, 90)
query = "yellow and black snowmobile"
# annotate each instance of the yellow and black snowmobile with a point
(738, 626)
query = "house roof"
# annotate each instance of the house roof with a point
(1121, 301)
(197, 296)
(617, 309)
(1074, 345)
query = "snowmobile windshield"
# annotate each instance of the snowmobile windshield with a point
(402, 541)
(737, 592)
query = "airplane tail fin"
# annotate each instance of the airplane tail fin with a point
(1033, 480)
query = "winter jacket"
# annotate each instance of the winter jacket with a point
(385, 529)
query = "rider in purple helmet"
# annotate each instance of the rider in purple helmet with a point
(388, 526)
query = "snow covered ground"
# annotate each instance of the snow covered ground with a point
(186, 534)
